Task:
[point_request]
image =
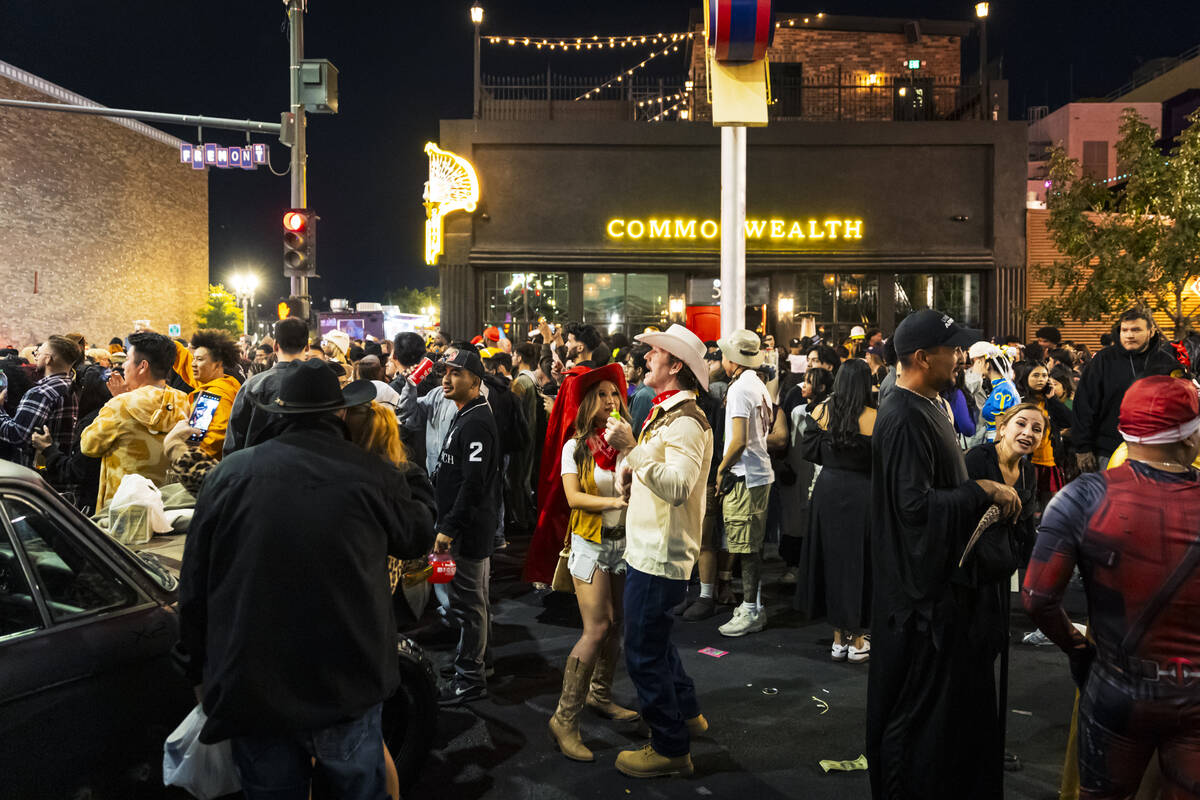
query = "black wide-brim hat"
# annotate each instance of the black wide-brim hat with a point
(312, 388)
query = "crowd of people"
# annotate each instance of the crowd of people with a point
(651, 477)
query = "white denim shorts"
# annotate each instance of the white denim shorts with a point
(607, 556)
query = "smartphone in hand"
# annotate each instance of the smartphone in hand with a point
(202, 415)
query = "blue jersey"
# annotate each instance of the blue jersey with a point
(1003, 397)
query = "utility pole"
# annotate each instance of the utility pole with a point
(477, 100)
(299, 168)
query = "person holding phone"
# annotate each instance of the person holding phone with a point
(127, 435)
(213, 358)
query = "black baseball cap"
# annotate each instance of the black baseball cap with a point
(922, 330)
(467, 359)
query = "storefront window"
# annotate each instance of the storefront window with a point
(625, 302)
(518, 300)
(957, 294)
(836, 302)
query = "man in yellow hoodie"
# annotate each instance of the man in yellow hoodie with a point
(127, 434)
(213, 355)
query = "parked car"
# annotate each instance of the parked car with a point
(87, 689)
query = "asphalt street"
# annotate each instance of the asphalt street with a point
(777, 705)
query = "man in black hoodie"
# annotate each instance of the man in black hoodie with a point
(1138, 352)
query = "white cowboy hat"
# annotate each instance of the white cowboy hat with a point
(684, 345)
(742, 347)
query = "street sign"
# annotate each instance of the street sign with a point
(211, 155)
(174, 329)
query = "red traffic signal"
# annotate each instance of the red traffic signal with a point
(295, 221)
(300, 243)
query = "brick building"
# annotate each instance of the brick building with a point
(100, 222)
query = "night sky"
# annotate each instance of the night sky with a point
(405, 65)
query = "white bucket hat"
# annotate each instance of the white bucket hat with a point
(742, 347)
(684, 345)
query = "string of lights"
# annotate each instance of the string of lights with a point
(791, 23)
(595, 42)
(660, 100)
(665, 111)
(671, 48)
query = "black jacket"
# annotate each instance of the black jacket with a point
(285, 610)
(74, 471)
(1098, 396)
(468, 481)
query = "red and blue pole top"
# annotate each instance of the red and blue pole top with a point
(740, 31)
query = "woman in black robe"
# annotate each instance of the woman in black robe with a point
(1005, 546)
(836, 559)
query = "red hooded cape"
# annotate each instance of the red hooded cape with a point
(553, 511)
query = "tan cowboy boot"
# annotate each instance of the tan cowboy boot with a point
(564, 725)
(599, 699)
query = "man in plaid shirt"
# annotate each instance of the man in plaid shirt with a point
(49, 402)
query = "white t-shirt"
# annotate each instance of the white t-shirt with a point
(797, 363)
(748, 399)
(606, 482)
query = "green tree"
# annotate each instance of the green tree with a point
(411, 301)
(220, 311)
(1137, 245)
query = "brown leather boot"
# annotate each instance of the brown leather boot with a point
(564, 725)
(599, 699)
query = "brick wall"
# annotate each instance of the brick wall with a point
(95, 211)
(833, 58)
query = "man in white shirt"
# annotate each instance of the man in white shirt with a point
(666, 473)
(745, 475)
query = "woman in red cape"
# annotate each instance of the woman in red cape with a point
(551, 528)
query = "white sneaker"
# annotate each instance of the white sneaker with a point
(1036, 638)
(744, 622)
(858, 655)
(838, 652)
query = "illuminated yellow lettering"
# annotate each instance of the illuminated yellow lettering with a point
(755, 227)
(709, 229)
(660, 229)
(640, 229)
(852, 229)
(813, 233)
(613, 225)
(777, 229)
(685, 229)
(832, 226)
(452, 186)
(796, 232)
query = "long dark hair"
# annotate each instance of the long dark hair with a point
(1021, 372)
(821, 381)
(851, 393)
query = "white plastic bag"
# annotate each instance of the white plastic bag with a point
(135, 513)
(205, 770)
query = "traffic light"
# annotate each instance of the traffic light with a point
(291, 307)
(300, 243)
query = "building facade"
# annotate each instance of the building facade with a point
(102, 224)
(851, 220)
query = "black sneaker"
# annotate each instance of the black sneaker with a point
(449, 672)
(455, 693)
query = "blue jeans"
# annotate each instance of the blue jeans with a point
(343, 761)
(666, 693)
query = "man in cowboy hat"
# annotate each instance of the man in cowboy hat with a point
(666, 471)
(1132, 531)
(746, 470)
(285, 612)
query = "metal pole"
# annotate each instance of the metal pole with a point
(478, 105)
(245, 315)
(733, 229)
(149, 116)
(299, 172)
(983, 84)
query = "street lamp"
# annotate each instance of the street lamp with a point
(477, 19)
(244, 285)
(981, 13)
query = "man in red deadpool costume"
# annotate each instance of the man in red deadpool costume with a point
(1134, 532)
